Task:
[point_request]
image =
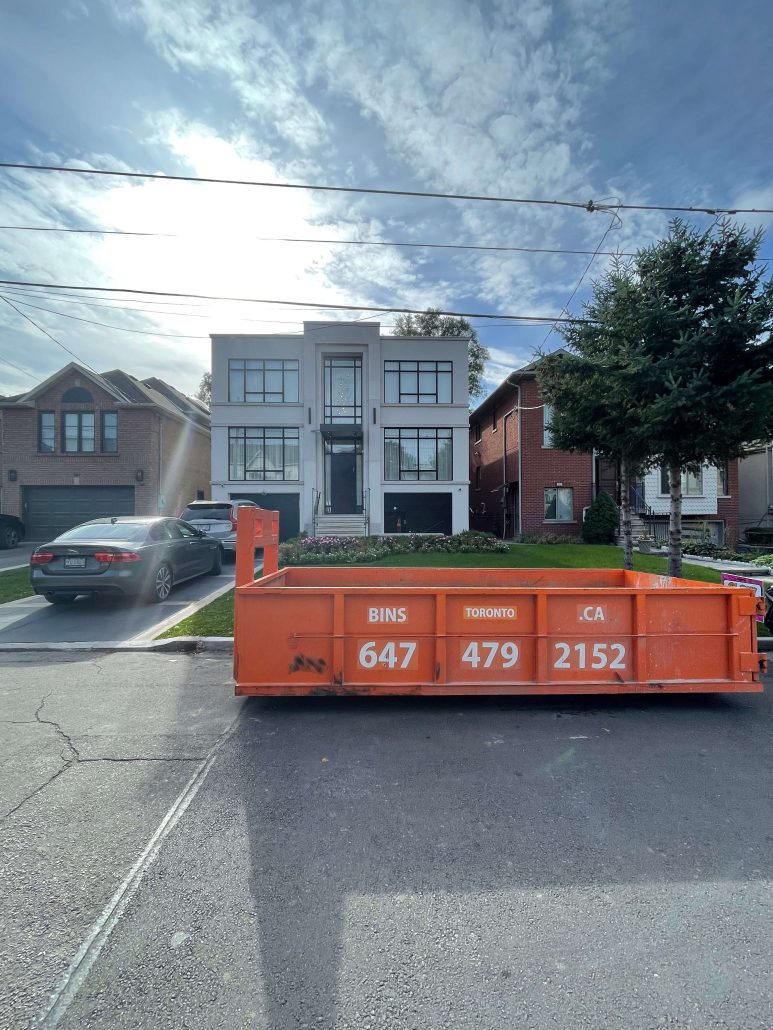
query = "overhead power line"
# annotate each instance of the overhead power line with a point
(494, 248)
(46, 333)
(104, 325)
(11, 364)
(589, 205)
(314, 305)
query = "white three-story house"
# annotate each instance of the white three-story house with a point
(343, 430)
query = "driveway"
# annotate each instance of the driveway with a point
(18, 555)
(34, 620)
(386, 863)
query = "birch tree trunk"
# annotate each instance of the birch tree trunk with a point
(625, 510)
(675, 522)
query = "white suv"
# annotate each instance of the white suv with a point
(216, 519)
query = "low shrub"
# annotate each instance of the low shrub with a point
(602, 520)
(761, 559)
(708, 550)
(354, 550)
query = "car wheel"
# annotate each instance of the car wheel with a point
(10, 537)
(162, 583)
(60, 598)
(217, 562)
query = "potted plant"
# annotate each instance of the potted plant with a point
(645, 543)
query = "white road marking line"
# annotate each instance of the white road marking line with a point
(88, 953)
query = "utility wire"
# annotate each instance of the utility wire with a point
(491, 248)
(104, 325)
(24, 371)
(590, 205)
(46, 333)
(284, 303)
(614, 223)
(495, 248)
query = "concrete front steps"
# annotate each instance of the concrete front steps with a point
(341, 525)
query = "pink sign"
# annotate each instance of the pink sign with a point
(730, 580)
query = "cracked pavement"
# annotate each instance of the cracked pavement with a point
(94, 751)
(387, 863)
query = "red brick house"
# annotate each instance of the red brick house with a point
(83, 445)
(517, 476)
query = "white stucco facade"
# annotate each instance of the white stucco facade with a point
(380, 500)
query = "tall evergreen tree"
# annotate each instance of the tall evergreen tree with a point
(703, 366)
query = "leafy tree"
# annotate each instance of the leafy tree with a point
(204, 392)
(601, 521)
(432, 323)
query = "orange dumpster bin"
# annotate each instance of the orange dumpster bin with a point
(343, 630)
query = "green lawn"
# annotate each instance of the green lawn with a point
(217, 619)
(14, 584)
(547, 556)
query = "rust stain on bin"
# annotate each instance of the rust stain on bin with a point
(340, 630)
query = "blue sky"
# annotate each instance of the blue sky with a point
(655, 102)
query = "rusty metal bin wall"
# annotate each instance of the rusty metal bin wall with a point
(497, 631)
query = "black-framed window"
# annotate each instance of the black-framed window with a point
(476, 432)
(78, 432)
(418, 454)
(263, 380)
(559, 504)
(723, 480)
(109, 432)
(263, 453)
(692, 483)
(418, 382)
(493, 418)
(46, 432)
(343, 390)
(477, 477)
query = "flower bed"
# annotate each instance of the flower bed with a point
(354, 550)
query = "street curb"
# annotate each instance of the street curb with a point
(179, 644)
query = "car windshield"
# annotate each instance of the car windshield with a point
(210, 513)
(107, 531)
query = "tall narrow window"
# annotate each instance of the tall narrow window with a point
(723, 480)
(46, 432)
(343, 391)
(79, 432)
(547, 434)
(109, 432)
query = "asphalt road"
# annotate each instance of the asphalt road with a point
(382, 863)
(34, 620)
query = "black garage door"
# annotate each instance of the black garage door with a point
(51, 510)
(288, 506)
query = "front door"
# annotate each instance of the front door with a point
(343, 477)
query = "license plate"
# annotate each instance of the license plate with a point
(75, 563)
